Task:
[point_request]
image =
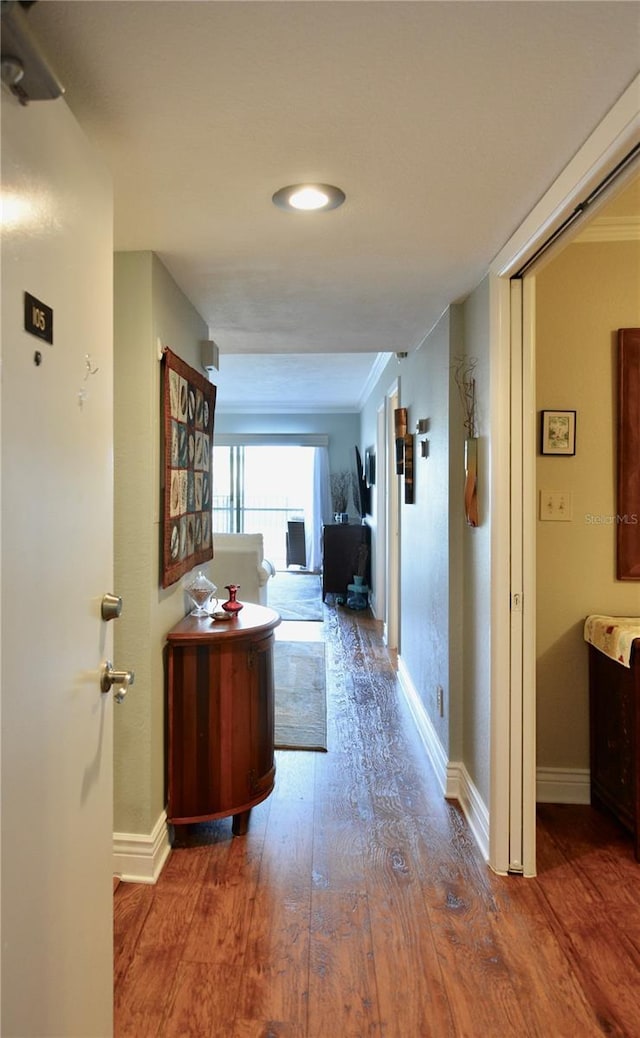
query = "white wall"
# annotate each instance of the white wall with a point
(149, 307)
(424, 544)
(343, 430)
(582, 298)
(431, 527)
(476, 638)
(445, 608)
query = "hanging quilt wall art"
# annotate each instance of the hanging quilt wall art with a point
(188, 401)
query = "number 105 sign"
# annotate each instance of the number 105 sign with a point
(38, 318)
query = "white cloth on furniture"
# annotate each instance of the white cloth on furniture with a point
(613, 635)
(238, 558)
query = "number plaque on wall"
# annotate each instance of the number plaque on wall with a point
(38, 318)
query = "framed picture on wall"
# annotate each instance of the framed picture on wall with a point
(558, 432)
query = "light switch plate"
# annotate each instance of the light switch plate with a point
(556, 506)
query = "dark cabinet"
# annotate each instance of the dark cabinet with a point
(346, 550)
(614, 693)
(220, 758)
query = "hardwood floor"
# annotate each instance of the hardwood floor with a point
(358, 905)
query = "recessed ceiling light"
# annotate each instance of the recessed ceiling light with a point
(308, 197)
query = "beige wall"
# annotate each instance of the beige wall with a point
(445, 631)
(149, 307)
(583, 296)
(426, 568)
(579, 308)
(476, 636)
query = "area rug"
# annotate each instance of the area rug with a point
(300, 696)
(296, 596)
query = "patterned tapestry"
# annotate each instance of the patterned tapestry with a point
(188, 405)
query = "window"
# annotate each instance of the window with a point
(259, 487)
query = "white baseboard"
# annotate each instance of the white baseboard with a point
(138, 858)
(473, 806)
(427, 732)
(563, 786)
(453, 778)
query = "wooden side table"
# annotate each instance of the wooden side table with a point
(220, 758)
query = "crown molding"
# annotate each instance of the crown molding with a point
(378, 367)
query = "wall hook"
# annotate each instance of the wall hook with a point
(89, 370)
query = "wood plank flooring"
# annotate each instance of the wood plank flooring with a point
(358, 906)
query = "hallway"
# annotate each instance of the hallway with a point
(358, 905)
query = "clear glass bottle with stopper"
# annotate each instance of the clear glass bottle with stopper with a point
(200, 590)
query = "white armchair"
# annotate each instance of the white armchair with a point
(238, 558)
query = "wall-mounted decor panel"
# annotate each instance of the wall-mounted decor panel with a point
(188, 406)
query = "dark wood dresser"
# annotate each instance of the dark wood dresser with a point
(342, 545)
(614, 695)
(220, 758)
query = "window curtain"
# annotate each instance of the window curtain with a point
(320, 509)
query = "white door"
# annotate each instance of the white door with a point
(57, 547)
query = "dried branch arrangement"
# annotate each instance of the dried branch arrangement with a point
(340, 483)
(355, 492)
(463, 370)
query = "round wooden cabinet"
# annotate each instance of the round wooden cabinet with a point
(220, 716)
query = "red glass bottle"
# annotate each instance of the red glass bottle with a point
(232, 605)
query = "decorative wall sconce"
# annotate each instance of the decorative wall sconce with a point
(422, 427)
(209, 355)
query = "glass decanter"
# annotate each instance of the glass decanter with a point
(200, 590)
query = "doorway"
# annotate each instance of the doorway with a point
(392, 526)
(521, 742)
(580, 297)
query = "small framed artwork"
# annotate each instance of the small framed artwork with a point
(370, 466)
(558, 432)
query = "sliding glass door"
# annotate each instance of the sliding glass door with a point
(258, 489)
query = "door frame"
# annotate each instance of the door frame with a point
(379, 595)
(512, 336)
(391, 631)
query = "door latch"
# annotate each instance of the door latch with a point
(122, 679)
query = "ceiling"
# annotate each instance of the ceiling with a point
(443, 122)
